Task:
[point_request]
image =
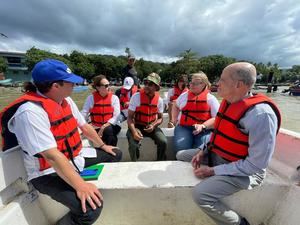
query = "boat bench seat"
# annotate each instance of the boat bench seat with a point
(134, 191)
(148, 149)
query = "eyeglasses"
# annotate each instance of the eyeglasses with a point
(103, 85)
(149, 83)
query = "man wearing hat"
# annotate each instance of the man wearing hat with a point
(129, 70)
(125, 93)
(145, 114)
(44, 122)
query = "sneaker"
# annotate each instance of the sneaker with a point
(244, 222)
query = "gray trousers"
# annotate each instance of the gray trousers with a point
(210, 191)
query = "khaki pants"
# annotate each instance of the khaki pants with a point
(157, 135)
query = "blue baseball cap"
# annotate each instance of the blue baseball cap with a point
(53, 70)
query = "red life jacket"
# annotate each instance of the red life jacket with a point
(177, 92)
(64, 126)
(124, 96)
(102, 110)
(196, 110)
(147, 112)
(227, 140)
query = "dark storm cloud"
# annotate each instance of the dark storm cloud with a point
(254, 30)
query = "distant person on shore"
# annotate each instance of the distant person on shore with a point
(193, 114)
(44, 122)
(125, 93)
(130, 71)
(103, 109)
(173, 93)
(240, 147)
(145, 114)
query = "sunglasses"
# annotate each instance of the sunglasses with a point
(148, 83)
(103, 85)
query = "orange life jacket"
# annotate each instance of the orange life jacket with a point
(102, 110)
(124, 96)
(147, 112)
(64, 126)
(177, 92)
(196, 110)
(227, 139)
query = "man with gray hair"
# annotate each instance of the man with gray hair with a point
(240, 147)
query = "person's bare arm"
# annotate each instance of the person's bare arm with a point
(170, 107)
(137, 135)
(156, 123)
(85, 191)
(208, 124)
(175, 112)
(89, 132)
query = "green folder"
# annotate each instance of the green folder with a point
(94, 177)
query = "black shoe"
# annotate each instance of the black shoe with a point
(244, 222)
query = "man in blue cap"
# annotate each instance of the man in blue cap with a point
(44, 122)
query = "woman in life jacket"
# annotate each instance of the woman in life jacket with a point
(194, 111)
(173, 93)
(102, 108)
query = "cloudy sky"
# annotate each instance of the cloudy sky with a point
(257, 30)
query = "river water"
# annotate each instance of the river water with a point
(289, 105)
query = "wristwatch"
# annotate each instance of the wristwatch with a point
(203, 127)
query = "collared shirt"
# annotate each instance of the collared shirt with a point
(31, 126)
(260, 123)
(89, 103)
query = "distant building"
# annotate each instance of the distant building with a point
(17, 70)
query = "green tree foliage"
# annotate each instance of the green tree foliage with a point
(108, 65)
(295, 69)
(188, 63)
(144, 68)
(82, 65)
(213, 65)
(89, 65)
(3, 65)
(35, 55)
(292, 75)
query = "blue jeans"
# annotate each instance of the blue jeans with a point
(185, 139)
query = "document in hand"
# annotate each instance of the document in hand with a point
(92, 172)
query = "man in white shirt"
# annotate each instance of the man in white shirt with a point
(45, 122)
(145, 114)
